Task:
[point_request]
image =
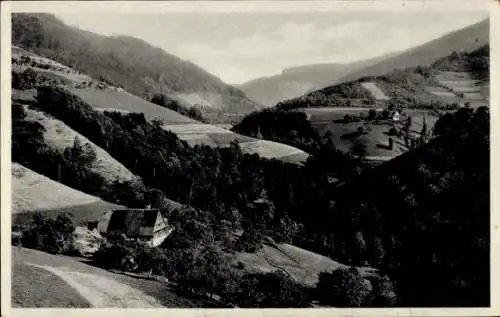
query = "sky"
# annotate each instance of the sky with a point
(238, 47)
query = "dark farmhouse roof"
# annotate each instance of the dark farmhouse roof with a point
(134, 222)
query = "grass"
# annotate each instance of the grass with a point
(375, 140)
(197, 139)
(105, 99)
(195, 128)
(34, 287)
(301, 265)
(269, 149)
(202, 99)
(81, 214)
(224, 139)
(376, 92)
(59, 136)
(32, 191)
(152, 288)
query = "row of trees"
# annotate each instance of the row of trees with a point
(165, 101)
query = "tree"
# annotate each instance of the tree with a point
(269, 290)
(358, 148)
(372, 114)
(344, 287)
(383, 294)
(51, 235)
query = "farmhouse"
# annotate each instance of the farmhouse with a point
(148, 225)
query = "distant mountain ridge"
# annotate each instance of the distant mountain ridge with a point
(464, 40)
(133, 64)
(296, 81)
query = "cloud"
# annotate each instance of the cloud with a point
(265, 53)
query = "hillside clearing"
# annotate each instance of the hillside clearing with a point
(301, 265)
(269, 149)
(376, 92)
(103, 99)
(59, 136)
(194, 128)
(32, 191)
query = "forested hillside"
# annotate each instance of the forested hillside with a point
(424, 216)
(127, 62)
(415, 87)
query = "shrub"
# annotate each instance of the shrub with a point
(274, 290)
(117, 253)
(54, 236)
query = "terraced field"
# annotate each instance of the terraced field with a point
(59, 136)
(465, 88)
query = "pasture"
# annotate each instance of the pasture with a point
(34, 192)
(269, 149)
(374, 139)
(301, 265)
(106, 99)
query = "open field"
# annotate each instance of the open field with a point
(375, 140)
(195, 128)
(301, 265)
(98, 287)
(59, 136)
(197, 139)
(34, 192)
(105, 99)
(269, 149)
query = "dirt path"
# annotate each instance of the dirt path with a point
(103, 292)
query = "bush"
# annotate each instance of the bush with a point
(383, 294)
(54, 236)
(342, 288)
(118, 252)
(273, 290)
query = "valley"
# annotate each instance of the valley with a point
(140, 180)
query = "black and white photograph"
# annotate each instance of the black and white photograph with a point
(212, 155)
